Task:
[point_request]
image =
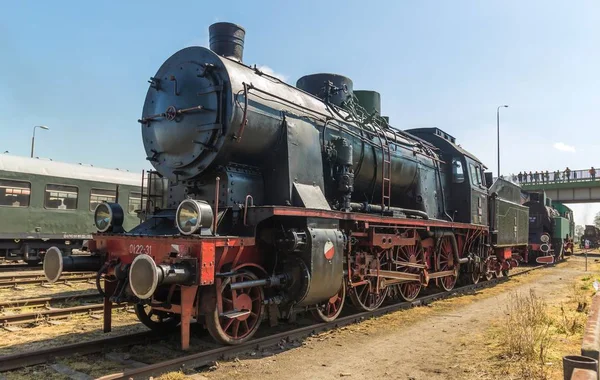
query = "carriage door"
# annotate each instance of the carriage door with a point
(479, 207)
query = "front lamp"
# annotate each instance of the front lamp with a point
(194, 216)
(108, 217)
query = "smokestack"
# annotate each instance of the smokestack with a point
(227, 39)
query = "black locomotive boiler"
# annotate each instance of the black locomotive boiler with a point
(290, 198)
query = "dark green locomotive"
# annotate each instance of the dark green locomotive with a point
(45, 203)
(550, 232)
(565, 225)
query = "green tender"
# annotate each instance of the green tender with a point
(512, 223)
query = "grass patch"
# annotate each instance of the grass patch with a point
(530, 341)
(529, 337)
(172, 376)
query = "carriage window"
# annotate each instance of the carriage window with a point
(135, 202)
(14, 193)
(98, 196)
(458, 175)
(60, 197)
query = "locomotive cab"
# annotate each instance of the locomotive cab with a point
(463, 175)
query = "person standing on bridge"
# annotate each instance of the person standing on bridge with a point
(520, 177)
(547, 176)
(536, 176)
(593, 173)
(530, 176)
(556, 176)
(568, 174)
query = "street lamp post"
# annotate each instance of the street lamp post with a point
(498, 129)
(33, 137)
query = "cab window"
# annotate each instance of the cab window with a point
(14, 193)
(458, 175)
(60, 197)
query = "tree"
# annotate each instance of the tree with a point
(579, 230)
(597, 220)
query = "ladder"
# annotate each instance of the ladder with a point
(386, 169)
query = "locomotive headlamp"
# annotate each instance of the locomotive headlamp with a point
(193, 216)
(108, 216)
(545, 238)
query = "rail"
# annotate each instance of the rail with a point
(43, 315)
(27, 279)
(20, 360)
(45, 301)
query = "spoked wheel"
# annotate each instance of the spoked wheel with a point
(236, 325)
(331, 309)
(156, 320)
(499, 273)
(489, 268)
(446, 262)
(475, 274)
(369, 295)
(401, 256)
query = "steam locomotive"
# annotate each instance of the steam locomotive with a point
(550, 230)
(592, 235)
(290, 198)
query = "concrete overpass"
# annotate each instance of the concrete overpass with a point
(579, 186)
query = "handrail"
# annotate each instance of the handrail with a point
(562, 176)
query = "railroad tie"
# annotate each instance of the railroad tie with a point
(123, 359)
(70, 373)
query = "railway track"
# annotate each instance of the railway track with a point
(46, 301)
(53, 313)
(10, 281)
(17, 267)
(15, 361)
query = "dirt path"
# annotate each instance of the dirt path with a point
(424, 343)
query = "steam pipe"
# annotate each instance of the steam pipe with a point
(365, 207)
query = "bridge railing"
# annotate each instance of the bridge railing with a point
(557, 177)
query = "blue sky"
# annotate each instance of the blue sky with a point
(82, 68)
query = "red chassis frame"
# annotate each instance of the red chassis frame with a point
(213, 253)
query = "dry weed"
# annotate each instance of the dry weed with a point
(528, 337)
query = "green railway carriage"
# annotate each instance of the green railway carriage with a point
(45, 203)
